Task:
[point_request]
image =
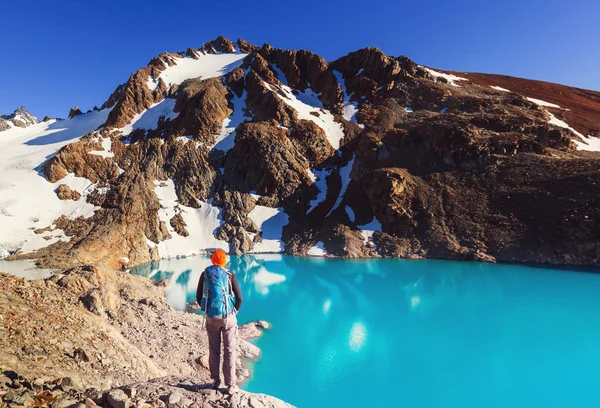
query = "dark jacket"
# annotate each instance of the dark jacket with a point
(234, 285)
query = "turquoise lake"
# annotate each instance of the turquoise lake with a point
(388, 332)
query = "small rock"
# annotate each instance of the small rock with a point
(174, 398)
(24, 399)
(89, 403)
(255, 403)
(5, 381)
(263, 324)
(131, 392)
(66, 380)
(66, 403)
(117, 399)
(9, 396)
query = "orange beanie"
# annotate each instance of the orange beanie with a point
(219, 257)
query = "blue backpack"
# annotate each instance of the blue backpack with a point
(217, 299)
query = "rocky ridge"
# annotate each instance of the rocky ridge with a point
(367, 156)
(19, 118)
(98, 337)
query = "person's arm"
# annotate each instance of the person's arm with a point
(235, 286)
(200, 290)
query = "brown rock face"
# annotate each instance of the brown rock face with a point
(64, 192)
(75, 158)
(75, 112)
(133, 98)
(219, 45)
(203, 105)
(265, 160)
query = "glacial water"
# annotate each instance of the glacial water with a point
(395, 333)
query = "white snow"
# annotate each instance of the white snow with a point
(200, 224)
(345, 175)
(589, 143)
(452, 79)
(184, 139)
(148, 119)
(367, 230)
(543, 103)
(317, 250)
(254, 195)
(280, 74)
(106, 145)
(271, 222)
(226, 139)
(350, 213)
(321, 184)
(27, 199)
(498, 88)
(306, 102)
(207, 66)
(25, 269)
(350, 108)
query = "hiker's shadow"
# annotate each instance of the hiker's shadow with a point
(195, 387)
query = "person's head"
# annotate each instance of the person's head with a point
(219, 257)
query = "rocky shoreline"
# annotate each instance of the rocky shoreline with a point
(98, 337)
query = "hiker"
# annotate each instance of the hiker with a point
(220, 299)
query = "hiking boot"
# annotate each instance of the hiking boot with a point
(216, 384)
(232, 389)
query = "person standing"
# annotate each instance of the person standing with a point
(220, 298)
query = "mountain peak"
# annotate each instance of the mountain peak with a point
(19, 118)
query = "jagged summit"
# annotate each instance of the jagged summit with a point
(19, 118)
(261, 149)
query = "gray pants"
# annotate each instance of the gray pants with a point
(228, 329)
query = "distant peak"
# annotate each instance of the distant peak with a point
(20, 118)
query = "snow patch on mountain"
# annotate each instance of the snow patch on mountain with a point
(350, 213)
(345, 175)
(589, 143)
(226, 138)
(270, 221)
(452, 79)
(350, 108)
(367, 230)
(543, 103)
(206, 66)
(106, 146)
(307, 105)
(499, 88)
(149, 118)
(201, 224)
(23, 186)
(317, 250)
(321, 184)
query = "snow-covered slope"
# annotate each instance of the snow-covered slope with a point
(206, 66)
(27, 200)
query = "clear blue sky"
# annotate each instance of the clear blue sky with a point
(57, 54)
